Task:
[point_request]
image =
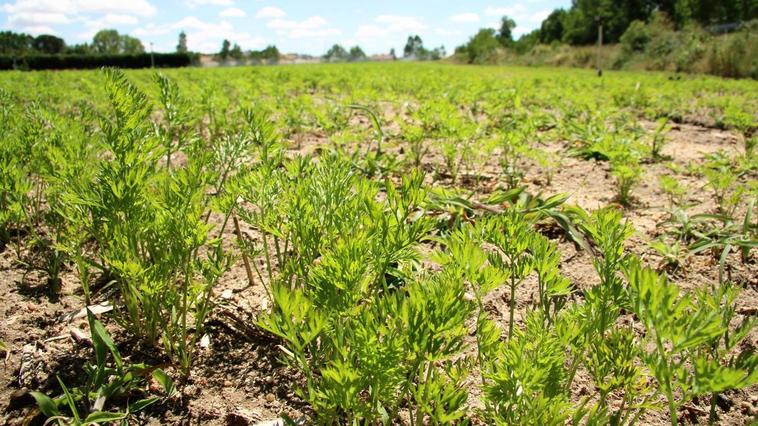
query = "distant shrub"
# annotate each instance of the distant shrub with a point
(482, 48)
(636, 37)
(735, 55)
(692, 48)
(656, 46)
(58, 62)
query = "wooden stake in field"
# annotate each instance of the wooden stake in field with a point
(599, 45)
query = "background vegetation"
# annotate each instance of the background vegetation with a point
(710, 37)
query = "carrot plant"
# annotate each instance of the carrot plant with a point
(13, 174)
(402, 347)
(685, 354)
(674, 190)
(509, 234)
(149, 219)
(626, 170)
(658, 138)
(388, 297)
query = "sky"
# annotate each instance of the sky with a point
(298, 26)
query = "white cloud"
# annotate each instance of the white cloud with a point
(314, 26)
(397, 23)
(270, 12)
(152, 30)
(538, 17)
(131, 7)
(465, 17)
(204, 36)
(195, 3)
(110, 20)
(74, 7)
(387, 30)
(37, 18)
(232, 12)
(40, 15)
(511, 11)
(390, 25)
(525, 19)
(36, 30)
(370, 32)
(445, 32)
(37, 6)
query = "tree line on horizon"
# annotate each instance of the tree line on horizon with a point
(414, 50)
(579, 24)
(104, 42)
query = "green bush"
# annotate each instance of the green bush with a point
(483, 47)
(58, 62)
(636, 37)
(734, 56)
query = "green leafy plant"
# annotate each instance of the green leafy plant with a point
(513, 145)
(109, 378)
(680, 329)
(553, 287)
(613, 364)
(626, 169)
(397, 349)
(674, 254)
(414, 135)
(510, 234)
(658, 139)
(673, 189)
(150, 222)
(525, 383)
(609, 232)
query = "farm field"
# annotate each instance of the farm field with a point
(386, 243)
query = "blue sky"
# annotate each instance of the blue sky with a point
(294, 26)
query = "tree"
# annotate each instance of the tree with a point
(505, 35)
(268, 55)
(236, 52)
(482, 47)
(182, 46)
(710, 12)
(438, 53)
(79, 49)
(49, 44)
(271, 54)
(106, 42)
(414, 48)
(225, 48)
(15, 43)
(336, 53)
(110, 42)
(552, 27)
(130, 45)
(636, 37)
(357, 54)
(580, 25)
(526, 42)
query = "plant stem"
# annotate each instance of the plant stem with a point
(419, 414)
(245, 259)
(712, 415)
(512, 305)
